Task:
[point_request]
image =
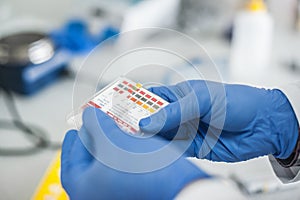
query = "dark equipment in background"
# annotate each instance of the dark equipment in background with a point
(29, 61)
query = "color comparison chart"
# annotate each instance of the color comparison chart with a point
(127, 102)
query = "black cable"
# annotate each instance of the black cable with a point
(35, 134)
(5, 124)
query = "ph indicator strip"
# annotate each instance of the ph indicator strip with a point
(127, 102)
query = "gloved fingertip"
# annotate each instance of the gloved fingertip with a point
(151, 124)
(150, 89)
(67, 145)
(144, 122)
(90, 114)
(88, 110)
(71, 131)
(69, 139)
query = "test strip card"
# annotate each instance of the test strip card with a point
(127, 102)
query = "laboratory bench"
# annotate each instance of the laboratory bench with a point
(20, 175)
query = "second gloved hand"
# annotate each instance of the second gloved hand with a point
(231, 122)
(91, 169)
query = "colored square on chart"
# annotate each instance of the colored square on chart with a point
(160, 103)
(153, 99)
(156, 107)
(150, 103)
(148, 96)
(125, 82)
(143, 99)
(133, 99)
(138, 96)
(116, 89)
(138, 85)
(139, 103)
(120, 85)
(142, 92)
(151, 110)
(145, 106)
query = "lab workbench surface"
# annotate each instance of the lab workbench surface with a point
(20, 175)
(49, 108)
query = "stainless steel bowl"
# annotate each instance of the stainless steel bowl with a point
(22, 49)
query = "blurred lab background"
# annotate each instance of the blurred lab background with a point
(44, 44)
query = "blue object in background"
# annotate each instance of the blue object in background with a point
(71, 40)
(75, 36)
(31, 78)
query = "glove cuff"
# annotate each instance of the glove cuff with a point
(293, 158)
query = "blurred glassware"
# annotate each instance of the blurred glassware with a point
(251, 42)
(206, 17)
(99, 14)
(149, 14)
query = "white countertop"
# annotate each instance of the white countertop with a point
(49, 108)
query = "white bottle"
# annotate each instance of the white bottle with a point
(251, 43)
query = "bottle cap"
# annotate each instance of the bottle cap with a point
(256, 5)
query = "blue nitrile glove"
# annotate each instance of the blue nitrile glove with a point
(257, 122)
(84, 177)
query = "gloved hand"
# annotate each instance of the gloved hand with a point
(85, 177)
(252, 122)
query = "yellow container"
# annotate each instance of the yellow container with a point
(50, 186)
